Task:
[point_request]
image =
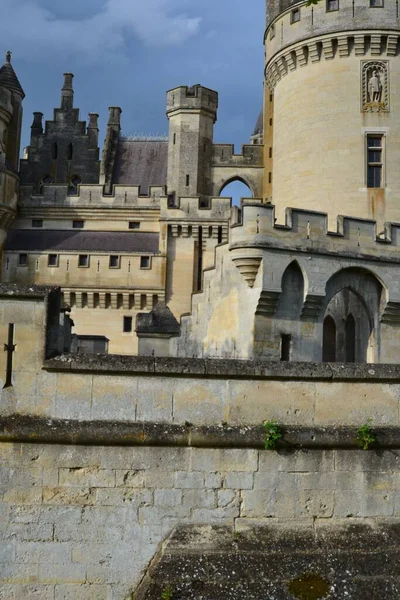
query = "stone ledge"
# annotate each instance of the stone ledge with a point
(17, 290)
(38, 430)
(224, 368)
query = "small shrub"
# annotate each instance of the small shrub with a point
(365, 436)
(273, 434)
(167, 593)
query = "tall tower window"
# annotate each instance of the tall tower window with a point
(375, 147)
(54, 151)
(332, 5)
(70, 151)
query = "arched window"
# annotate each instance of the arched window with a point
(54, 151)
(236, 190)
(350, 339)
(329, 340)
(292, 297)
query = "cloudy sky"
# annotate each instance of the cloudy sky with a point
(129, 52)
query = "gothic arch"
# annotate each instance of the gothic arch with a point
(236, 178)
(292, 296)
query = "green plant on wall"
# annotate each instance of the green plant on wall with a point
(273, 434)
(365, 436)
(167, 593)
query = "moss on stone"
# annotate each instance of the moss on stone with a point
(309, 587)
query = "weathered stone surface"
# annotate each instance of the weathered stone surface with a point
(347, 560)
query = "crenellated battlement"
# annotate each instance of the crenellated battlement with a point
(194, 97)
(307, 231)
(224, 155)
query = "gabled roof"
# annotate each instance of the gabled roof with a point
(9, 79)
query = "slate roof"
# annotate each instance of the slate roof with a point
(9, 79)
(259, 128)
(26, 240)
(141, 163)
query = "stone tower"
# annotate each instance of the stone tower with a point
(192, 112)
(332, 106)
(66, 150)
(11, 97)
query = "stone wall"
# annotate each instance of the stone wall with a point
(102, 457)
(84, 522)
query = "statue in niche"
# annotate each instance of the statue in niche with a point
(375, 86)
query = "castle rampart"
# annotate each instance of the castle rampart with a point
(98, 452)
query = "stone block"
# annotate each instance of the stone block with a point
(253, 402)
(114, 397)
(7, 552)
(20, 573)
(70, 387)
(167, 498)
(213, 480)
(227, 498)
(200, 401)
(154, 399)
(368, 504)
(350, 403)
(69, 496)
(86, 476)
(297, 460)
(215, 515)
(239, 481)
(62, 573)
(266, 504)
(127, 478)
(199, 498)
(120, 496)
(37, 553)
(83, 592)
(371, 460)
(33, 592)
(314, 503)
(23, 496)
(224, 460)
(189, 479)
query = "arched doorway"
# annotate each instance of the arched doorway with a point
(354, 301)
(236, 189)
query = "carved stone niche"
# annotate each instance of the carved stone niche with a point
(375, 86)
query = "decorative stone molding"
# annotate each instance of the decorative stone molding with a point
(248, 267)
(391, 314)
(375, 95)
(332, 47)
(267, 303)
(312, 306)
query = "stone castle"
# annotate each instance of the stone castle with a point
(132, 455)
(304, 270)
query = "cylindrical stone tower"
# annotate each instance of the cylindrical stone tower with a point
(333, 83)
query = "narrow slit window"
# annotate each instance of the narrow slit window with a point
(286, 343)
(375, 152)
(187, 180)
(70, 151)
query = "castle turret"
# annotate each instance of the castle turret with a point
(332, 77)
(11, 97)
(192, 112)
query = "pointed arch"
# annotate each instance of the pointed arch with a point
(329, 340)
(236, 188)
(292, 297)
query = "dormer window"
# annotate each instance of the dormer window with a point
(295, 15)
